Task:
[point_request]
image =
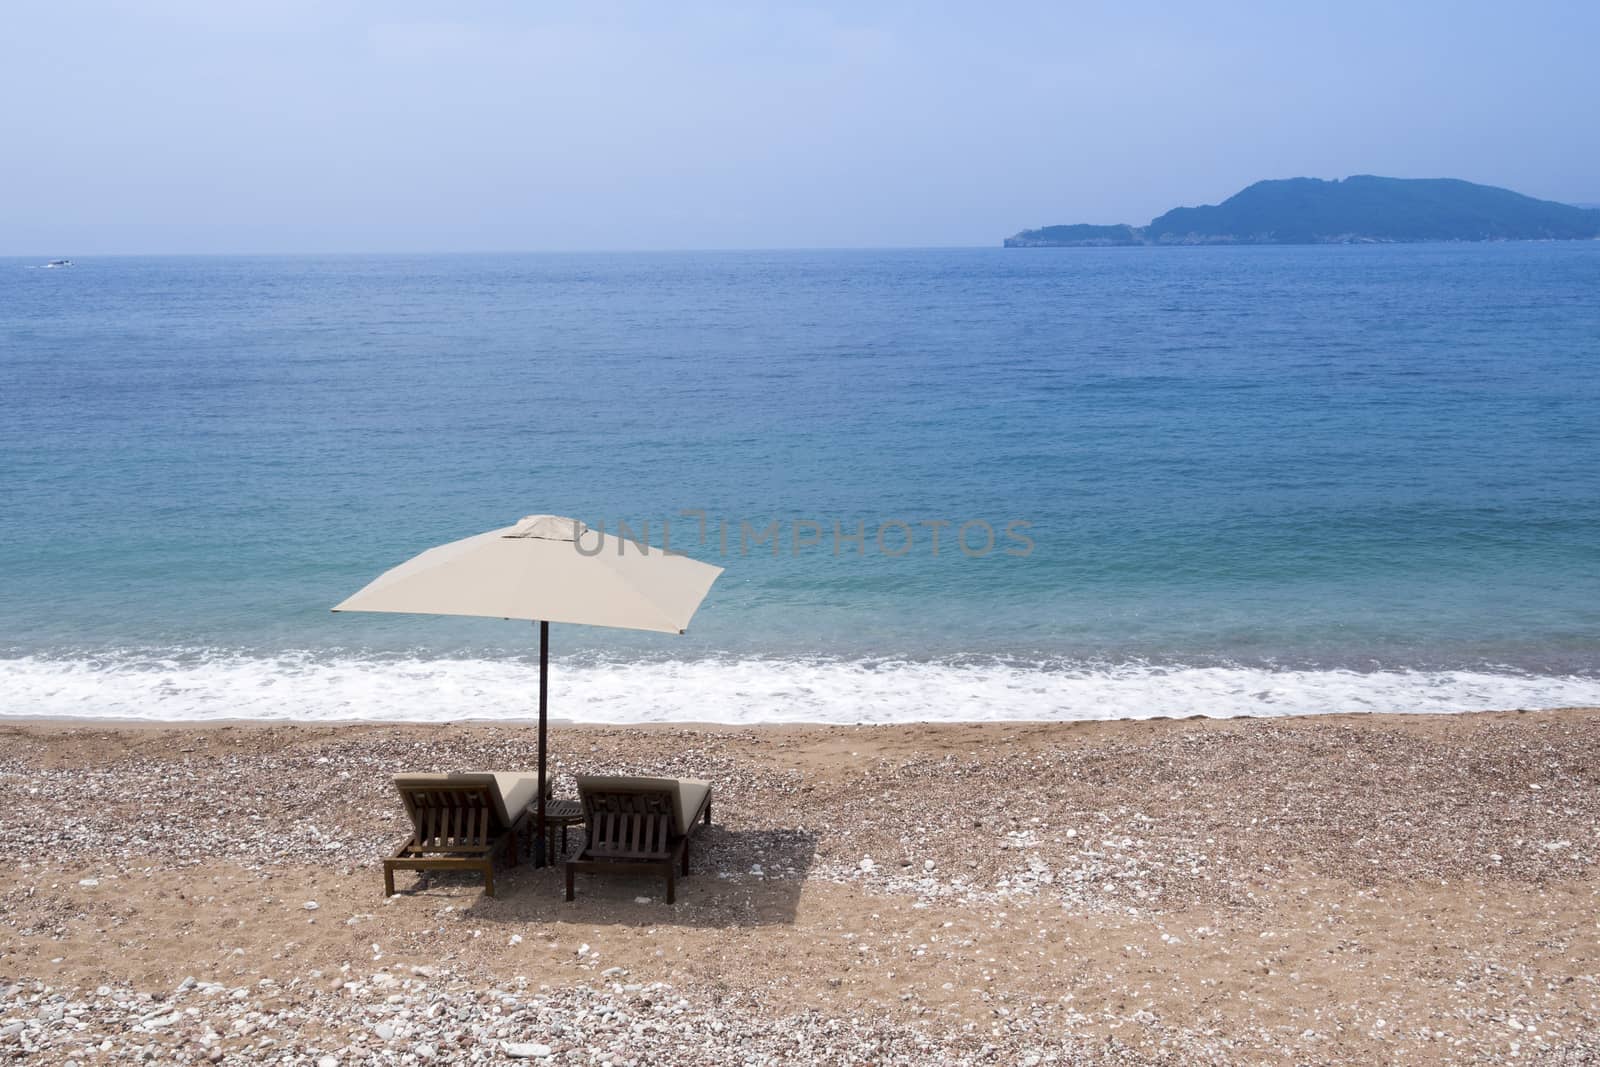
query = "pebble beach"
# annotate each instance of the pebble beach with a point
(1329, 889)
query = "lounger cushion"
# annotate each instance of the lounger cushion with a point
(517, 791)
(509, 791)
(692, 793)
(687, 793)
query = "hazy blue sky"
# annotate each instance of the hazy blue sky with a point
(311, 125)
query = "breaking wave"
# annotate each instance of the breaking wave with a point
(319, 687)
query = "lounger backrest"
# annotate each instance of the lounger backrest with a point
(630, 817)
(450, 811)
(614, 790)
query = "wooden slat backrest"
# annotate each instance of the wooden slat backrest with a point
(450, 818)
(629, 824)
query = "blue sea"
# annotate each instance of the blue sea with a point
(1217, 481)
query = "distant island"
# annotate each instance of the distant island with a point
(1358, 210)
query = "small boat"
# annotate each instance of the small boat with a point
(58, 263)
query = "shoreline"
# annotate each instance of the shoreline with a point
(787, 692)
(1383, 717)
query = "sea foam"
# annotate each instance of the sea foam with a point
(323, 688)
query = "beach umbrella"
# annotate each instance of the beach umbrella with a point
(546, 569)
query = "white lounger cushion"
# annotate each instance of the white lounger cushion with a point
(511, 791)
(692, 793)
(688, 794)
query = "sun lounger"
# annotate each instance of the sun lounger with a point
(460, 820)
(639, 825)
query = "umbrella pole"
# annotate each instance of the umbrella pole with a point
(544, 707)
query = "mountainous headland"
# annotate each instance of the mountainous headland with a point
(1363, 209)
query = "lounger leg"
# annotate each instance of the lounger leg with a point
(686, 857)
(672, 886)
(569, 881)
(488, 877)
(708, 813)
(388, 880)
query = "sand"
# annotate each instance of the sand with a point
(1328, 889)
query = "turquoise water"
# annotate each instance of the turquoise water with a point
(1253, 480)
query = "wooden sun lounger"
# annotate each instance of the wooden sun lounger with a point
(459, 821)
(639, 826)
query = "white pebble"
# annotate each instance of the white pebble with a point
(523, 1051)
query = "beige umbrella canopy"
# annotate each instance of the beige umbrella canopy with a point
(546, 569)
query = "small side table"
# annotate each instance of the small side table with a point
(562, 813)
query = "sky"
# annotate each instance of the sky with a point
(183, 126)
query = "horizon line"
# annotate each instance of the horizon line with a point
(504, 251)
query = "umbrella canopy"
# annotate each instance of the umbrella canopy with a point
(547, 569)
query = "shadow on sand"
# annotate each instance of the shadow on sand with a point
(737, 878)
